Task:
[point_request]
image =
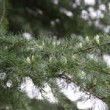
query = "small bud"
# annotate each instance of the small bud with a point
(6, 47)
(80, 45)
(39, 46)
(58, 42)
(54, 43)
(87, 39)
(50, 59)
(73, 56)
(43, 43)
(33, 57)
(28, 60)
(97, 39)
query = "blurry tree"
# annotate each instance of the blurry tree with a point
(60, 17)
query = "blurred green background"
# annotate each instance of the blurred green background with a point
(59, 17)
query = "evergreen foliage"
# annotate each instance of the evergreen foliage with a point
(44, 58)
(77, 60)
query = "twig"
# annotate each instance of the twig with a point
(89, 48)
(4, 11)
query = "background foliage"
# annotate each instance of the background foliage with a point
(60, 17)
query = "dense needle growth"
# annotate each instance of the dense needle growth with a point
(76, 59)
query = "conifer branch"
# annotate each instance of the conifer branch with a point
(70, 80)
(89, 48)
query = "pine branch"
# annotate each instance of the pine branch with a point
(90, 48)
(41, 60)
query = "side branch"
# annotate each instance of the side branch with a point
(4, 11)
